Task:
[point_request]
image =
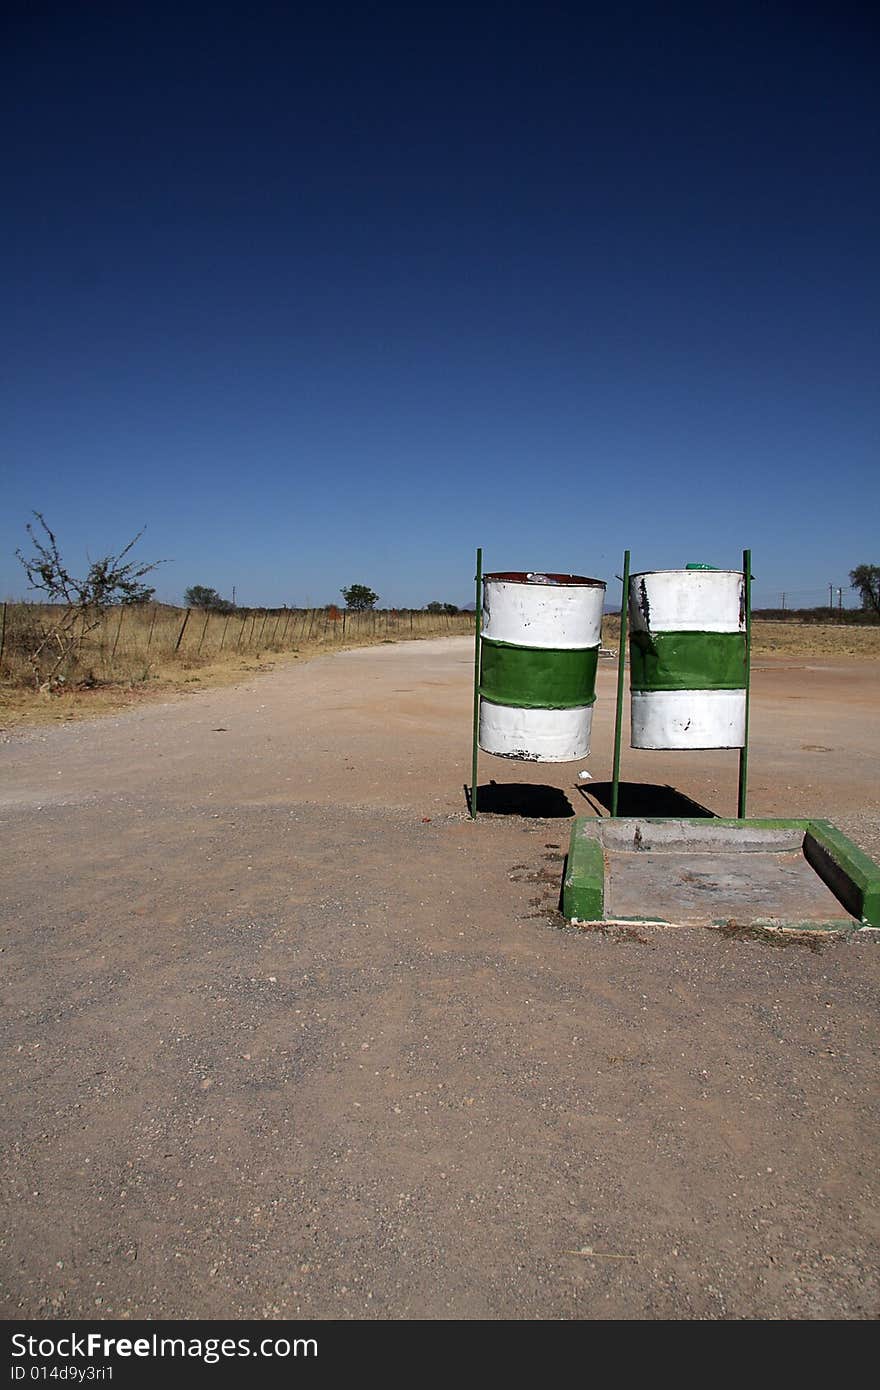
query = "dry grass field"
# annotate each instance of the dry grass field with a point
(147, 651)
(143, 651)
(793, 638)
(815, 639)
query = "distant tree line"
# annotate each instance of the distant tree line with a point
(864, 578)
(359, 598)
(848, 617)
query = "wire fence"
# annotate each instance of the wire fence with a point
(133, 642)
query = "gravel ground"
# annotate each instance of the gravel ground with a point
(287, 1035)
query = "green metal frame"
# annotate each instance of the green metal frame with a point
(744, 751)
(478, 624)
(621, 668)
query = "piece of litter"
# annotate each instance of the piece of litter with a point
(589, 1253)
(585, 776)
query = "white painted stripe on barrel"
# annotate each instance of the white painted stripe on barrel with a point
(689, 719)
(563, 616)
(687, 601)
(535, 735)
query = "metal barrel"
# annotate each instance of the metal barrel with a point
(688, 670)
(539, 652)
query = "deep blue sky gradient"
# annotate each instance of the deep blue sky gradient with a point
(335, 295)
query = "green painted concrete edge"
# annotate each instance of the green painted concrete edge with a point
(851, 875)
(838, 926)
(687, 661)
(583, 888)
(538, 677)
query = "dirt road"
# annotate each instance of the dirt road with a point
(287, 1035)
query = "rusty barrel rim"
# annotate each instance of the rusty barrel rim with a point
(542, 577)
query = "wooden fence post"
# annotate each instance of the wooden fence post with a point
(182, 630)
(118, 630)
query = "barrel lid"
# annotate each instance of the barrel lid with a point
(689, 569)
(539, 577)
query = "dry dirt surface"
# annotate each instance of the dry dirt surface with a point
(288, 1036)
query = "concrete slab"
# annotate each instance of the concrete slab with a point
(794, 874)
(703, 888)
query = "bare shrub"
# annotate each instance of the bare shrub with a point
(74, 607)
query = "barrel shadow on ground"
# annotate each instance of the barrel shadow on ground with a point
(643, 799)
(521, 799)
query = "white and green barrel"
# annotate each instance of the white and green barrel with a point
(538, 659)
(688, 659)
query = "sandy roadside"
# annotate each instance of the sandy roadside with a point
(288, 1036)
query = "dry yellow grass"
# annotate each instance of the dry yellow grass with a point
(137, 653)
(792, 639)
(133, 656)
(815, 639)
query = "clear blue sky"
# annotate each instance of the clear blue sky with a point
(334, 295)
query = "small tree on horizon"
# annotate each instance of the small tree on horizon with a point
(200, 596)
(866, 578)
(359, 598)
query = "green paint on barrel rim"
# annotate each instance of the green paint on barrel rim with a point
(687, 661)
(538, 677)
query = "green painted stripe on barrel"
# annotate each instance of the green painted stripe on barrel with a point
(687, 661)
(538, 677)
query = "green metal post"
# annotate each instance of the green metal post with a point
(744, 751)
(478, 623)
(621, 665)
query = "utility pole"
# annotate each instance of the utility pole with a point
(783, 601)
(831, 599)
(840, 605)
